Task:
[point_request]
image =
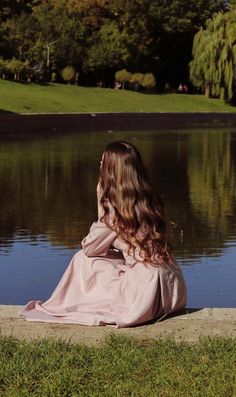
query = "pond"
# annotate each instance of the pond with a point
(48, 201)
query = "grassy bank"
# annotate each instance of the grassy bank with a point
(119, 367)
(32, 98)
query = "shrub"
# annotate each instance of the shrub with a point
(68, 74)
(137, 80)
(123, 76)
(149, 81)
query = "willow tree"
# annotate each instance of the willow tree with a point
(214, 56)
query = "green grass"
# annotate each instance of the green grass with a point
(119, 367)
(32, 98)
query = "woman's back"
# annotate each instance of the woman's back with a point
(125, 273)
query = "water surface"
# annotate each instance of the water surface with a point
(48, 201)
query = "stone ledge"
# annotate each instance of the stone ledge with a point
(188, 326)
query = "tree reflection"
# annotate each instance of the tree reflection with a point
(212, 179)
(47, 187)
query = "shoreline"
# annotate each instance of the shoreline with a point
(13, 124)
(188, 326)
(191, 324)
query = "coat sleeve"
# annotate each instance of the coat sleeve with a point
(99, 239)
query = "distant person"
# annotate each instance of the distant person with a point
(125, 274)
(185, 89)
(180, 89)
(117, 85)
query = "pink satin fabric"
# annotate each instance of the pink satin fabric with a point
(102, 286)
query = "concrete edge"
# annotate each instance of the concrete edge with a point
(210, 313)
(188, 326)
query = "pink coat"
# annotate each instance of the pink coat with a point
(106, 286)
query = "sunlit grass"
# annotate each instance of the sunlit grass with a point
(119, 367)
(33, 98)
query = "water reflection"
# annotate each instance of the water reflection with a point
(48, 185)
(212, 186)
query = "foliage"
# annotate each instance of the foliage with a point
(97, 37)
(123, 76)
(181, 16)
(214, 56)
(173, 24)
(3, 67)
(231, 4)
(146, 80)
(107, 52)
(149, 81)
(137, 80)
(11, 8)
(68, 74)
(16, 67)
(48, 38)
(61, 31)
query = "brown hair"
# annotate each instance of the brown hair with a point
(138, 212)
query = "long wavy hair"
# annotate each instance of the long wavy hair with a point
(139, 217)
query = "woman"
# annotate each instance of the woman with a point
(125, 273)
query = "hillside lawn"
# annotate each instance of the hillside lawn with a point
(56, 98)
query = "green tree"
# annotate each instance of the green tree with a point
(133, 19)
(117, 35)
(59, 32)
(17, 67)
(23, 35)
(108, 51)
(214, 56)
(48, 37)
(173, 24)
(98, 37)
(10, 9)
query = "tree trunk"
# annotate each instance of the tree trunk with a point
(207, 91)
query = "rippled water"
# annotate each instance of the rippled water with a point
(48, 201)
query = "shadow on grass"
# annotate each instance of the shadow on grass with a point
(6, 112)
(32, 82)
